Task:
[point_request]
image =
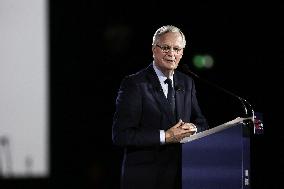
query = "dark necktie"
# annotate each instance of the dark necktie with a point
(171, 94)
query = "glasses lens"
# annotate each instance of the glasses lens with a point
(166, 49)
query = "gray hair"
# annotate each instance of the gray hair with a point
(165, 29)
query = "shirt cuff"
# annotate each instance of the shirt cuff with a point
(162, 137)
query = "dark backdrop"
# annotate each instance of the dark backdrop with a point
(94, 44)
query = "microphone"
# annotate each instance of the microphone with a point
(245, 104)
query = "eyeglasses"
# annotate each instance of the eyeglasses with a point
(166, 48)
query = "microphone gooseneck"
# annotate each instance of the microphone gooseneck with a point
(245, 104)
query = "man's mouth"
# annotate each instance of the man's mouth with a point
(170, 61)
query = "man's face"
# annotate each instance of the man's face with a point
(168, 51)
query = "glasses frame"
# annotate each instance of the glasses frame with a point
(167, 49)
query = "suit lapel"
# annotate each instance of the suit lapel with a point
(180, 95)
(158, 94)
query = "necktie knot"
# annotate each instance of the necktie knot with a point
(169, 82)
(170, 88)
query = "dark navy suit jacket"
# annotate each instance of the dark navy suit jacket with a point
(142, 110)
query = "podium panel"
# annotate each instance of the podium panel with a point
(218, 161)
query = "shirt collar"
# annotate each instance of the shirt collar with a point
(160, 74)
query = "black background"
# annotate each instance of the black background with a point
(93, 45)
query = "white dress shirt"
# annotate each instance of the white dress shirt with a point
(164, 85)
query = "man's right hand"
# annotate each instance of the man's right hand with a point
(180, 130)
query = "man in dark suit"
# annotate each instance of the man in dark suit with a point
(155, 109)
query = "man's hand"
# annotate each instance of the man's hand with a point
(180, 130)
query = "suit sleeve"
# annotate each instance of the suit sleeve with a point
(127, 129)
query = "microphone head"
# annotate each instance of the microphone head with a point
(185, 69)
